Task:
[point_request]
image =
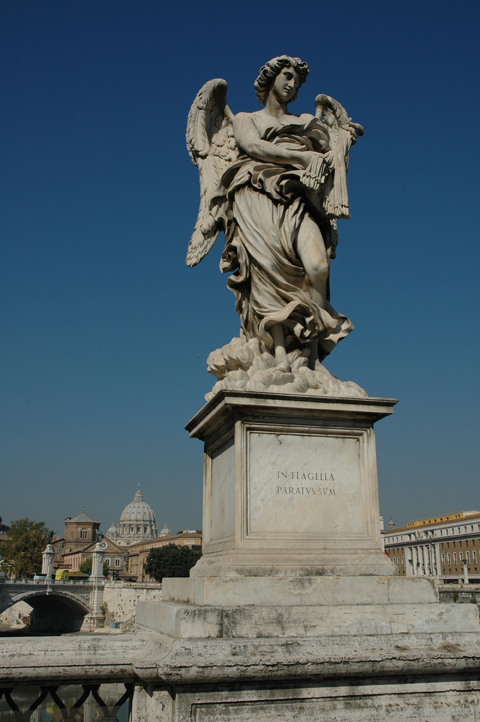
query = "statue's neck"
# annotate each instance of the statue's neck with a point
(274, 107)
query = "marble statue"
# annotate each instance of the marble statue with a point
(275, 184)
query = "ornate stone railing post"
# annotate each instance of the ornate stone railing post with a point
(97, 616)
(47, 561)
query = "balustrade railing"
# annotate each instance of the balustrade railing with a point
(67, 703)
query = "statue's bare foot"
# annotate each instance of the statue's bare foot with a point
(281, 359)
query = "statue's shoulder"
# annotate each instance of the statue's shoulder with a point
(244, 117)
(244, 122)
(307, 117)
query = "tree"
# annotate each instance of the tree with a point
(21, 554)
(171, 561)
(3, 527)
(86, 567)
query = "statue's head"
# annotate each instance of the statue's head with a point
(274, 67)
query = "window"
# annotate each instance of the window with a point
(467, 557)
(107, 561)
(474, 555)
(454, 557)
(83, 533)
(71, 533)
(448, 558)
(116, 563)
(460, 556)
(443, 558)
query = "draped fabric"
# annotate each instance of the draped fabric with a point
(263, 206)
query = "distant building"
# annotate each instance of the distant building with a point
(138, 553)
(113, 556)
(137, 523)
(78, 544)
(447, 547)
(126, 546)
(79, 531)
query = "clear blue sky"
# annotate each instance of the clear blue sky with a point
(104, 330)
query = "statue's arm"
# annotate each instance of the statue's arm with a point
(249, 140)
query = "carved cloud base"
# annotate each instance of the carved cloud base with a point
(243, 366)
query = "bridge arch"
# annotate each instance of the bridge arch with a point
(56, 611)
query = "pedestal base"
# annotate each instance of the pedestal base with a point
(290, 486)
(294, 613)
(304, 607)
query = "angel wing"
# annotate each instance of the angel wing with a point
(343, 133)
(212, 147)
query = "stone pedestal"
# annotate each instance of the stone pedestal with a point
(294, 612)
(290, 486)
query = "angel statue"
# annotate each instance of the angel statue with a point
(275, 184)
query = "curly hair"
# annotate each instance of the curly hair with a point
(274, 67)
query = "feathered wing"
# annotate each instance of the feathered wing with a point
(212, 147)
(343, 133)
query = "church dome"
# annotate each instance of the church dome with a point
(137, 521)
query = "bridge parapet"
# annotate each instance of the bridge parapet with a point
(85, 596)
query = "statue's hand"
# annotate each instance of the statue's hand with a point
(328, 158)
(307, 158)
(314, 171)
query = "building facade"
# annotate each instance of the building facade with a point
(79, 531)
(447, 547)
(113, 557)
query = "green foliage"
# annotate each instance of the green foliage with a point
(86, 567)
(21, 554)
(3, 527)
(171, 561)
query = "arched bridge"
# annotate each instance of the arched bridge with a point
(57, 605)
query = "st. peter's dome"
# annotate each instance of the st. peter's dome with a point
(137, 521)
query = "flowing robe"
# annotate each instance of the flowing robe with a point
(262, 206)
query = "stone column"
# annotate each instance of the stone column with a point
(409, 561)
(414, 561)
(431, 565)
(47, 561)
(465, 574)
(428, 560)
(437, 559)
(425, 560)
(97, 563)
(97, 616)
